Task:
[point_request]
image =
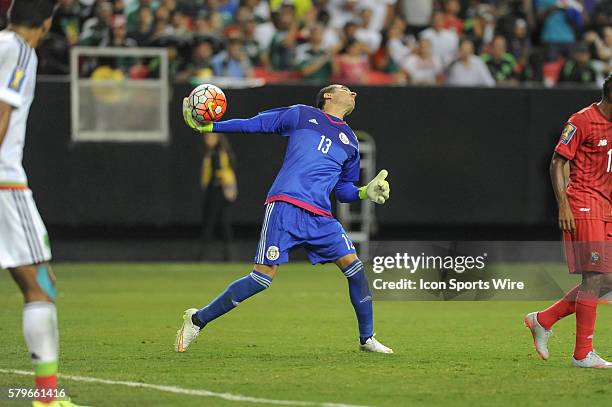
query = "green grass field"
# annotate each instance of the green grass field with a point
(296, 341)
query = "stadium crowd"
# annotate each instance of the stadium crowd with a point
(429, 42)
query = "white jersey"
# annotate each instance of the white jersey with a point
(18, 63)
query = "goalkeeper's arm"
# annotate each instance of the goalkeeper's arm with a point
(274, 121)
(377, 190)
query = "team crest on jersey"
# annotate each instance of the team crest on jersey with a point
(344, 138)
(17, 79)
(272, 253)
(595, 257)
(568, 133)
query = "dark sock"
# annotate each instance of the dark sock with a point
(363, 340)
(197, 322)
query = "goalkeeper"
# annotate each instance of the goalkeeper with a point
(322, 155)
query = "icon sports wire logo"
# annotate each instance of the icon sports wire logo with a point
(411, 264)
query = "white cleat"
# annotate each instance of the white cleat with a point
(372, 345)
(188, 331)
(593, 361)
(539, 333)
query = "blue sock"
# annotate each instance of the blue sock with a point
(361, 298)
(233, 295)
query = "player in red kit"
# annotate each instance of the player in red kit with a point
(585, 217)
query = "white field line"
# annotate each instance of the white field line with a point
(190, 392)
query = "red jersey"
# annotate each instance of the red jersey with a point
(587, 142)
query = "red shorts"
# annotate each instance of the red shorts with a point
(590, 247)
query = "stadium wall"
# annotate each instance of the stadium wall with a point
(456, 156)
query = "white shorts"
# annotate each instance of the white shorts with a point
(23, 236)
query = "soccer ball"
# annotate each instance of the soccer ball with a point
(208, 103)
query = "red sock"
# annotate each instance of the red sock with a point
(47, 385)
(560, 309)
(586, 313)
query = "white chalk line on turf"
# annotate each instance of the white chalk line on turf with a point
(190, 392)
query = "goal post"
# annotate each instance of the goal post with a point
(109, 104)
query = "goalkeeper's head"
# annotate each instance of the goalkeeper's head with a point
(337, 100)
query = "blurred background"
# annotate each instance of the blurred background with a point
(463, 101)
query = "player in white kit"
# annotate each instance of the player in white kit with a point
(24, 244)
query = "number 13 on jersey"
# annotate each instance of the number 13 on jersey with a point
(324, 144)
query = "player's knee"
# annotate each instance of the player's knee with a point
(269, 271)
(592, 283)
(353, 269)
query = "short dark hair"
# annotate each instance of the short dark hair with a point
(31, 13)
(607, 89)
(320, 98)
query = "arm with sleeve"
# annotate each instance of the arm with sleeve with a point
(279, 121)
(570, 140)
(11, 75)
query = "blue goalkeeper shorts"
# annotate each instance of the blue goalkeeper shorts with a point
(287, 226)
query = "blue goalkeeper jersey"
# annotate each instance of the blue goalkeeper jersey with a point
(322, 155)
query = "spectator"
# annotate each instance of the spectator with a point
(216, 22)
(66, 22)
(342, 12)
(200, 66)
(451, 16)
(398, 47)
(144, 27)
(444, 43)
(383, 12)
(282, 47)
(331, 39)
(120, 39)
(119, 36)
(480, 28)
(200, 24)
(512, 11)
(315, 63)
(134, 16)
(603, 14)
(422, 67)
(259, 8)
(97, 30)
(579, 68)
(353, 64)
(233, 62)
(417, 14)
(175, 59)
(161, 26)
(301, 6)
(501, 64)
(366, 34)
(468, 69)
(519, 45)
(169, 5)
(348, 33)
(252, 46)
(119, 7)
(603, 49)
(555, 17)
(180, 25)
(264, 30)
(219, 191)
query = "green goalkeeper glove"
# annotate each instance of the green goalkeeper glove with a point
(377, 190)
(206, 127)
